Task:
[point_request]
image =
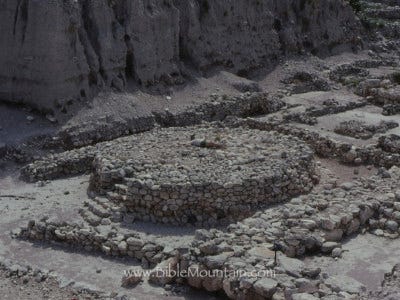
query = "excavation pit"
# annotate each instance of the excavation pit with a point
(203, 175)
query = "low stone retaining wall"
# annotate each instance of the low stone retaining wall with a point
(67, 163)
(87, 238)
(79, 160)
(327, 147)
(216, 108)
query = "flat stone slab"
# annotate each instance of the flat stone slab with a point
(204, 174)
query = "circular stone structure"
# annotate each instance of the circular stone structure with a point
(203, 175)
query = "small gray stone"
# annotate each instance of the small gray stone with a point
(337, 252)
(347, 186)
(266, 287)
(329, 246)
(392, 226)
(303, 296)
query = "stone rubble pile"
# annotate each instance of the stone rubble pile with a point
(361, 130)
(303, 82)
(309, 115)
(390, 144)
(385, 96)
(345, 73)
(391, 109)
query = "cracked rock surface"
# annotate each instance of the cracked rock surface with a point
(100, 44)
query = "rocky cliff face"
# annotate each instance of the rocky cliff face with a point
(53, 52)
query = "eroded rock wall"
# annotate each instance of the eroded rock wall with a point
(53, 52)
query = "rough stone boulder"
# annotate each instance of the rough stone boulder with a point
(55, 53)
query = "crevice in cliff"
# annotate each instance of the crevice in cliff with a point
(119, 9)
(89, 56)
(92, 38)
(21, 17)
(16, 16)
(184, 16)
(24, 16)
(130, 59)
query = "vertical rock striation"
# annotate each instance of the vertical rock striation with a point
(53, 52)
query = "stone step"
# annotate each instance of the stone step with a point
(113, 212)
(108, 205)
(113, 196)
(103, 202)
(90, 217)
(98, 210)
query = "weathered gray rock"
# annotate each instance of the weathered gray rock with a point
(266, 287)
(337, 252)
(130, 281)
(165, 272)
(344, 283)
(292, 266)
(303, 296)
(54, 53)
(329, 246)
(392, 226)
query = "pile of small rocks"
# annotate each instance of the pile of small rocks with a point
(391, 109)
(303, 82)
(347, 73)
(360, 130)
(24, 271)
(380, 91)
(330, 106)
(390, 144)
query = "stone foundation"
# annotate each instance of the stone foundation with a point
(220, 176)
